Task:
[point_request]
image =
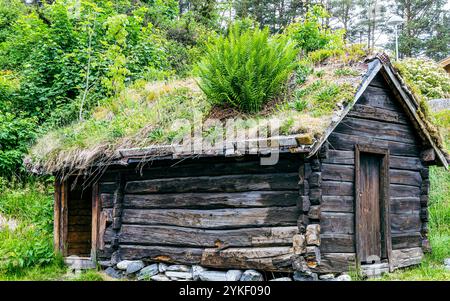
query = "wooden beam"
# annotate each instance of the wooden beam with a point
(57, 218)
(64, 217)
(96, 209)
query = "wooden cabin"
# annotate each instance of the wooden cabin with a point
(356, 196)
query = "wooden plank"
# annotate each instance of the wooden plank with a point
(79, 220)
(96, 209)
(404, 191)
(57, 218)
(345, 243)
(405, 223)
(214, 219)
(79, 212)
(406, 240)
(332, 188)
(277, 259)
(107, 200)
(213, 167)
(162, 254)
(337, 243)
(379, 114)
(406, 163)
(405, 177)
(406, 257)
(190, 237)
(347, 143)
(342, 173)
(405, 205)
(78, 236)
(107, 187)
(340, 157)
(396, 162)
(238, 183)
(379, 82)
(377, 129)
(337, 204)
(212, 200)
(337, 222)
(336, 263)
(379, 98)
(64, 218)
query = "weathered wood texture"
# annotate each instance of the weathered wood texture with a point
(79, 233)
(239, 214)
(379, 121)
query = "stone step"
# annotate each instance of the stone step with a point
(79, 263)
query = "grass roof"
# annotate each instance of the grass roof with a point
(157, 113)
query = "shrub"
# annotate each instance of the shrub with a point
(31, 243)
(310, 34)
(16, 134)
(246, 68)
(425, 77)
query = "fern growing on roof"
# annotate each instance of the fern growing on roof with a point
(247, 68)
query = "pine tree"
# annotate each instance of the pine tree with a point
(426, 29)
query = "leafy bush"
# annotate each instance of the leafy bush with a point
(425, 77)
(16, 134)
(246, 68)
(70, 56)
(310, 34)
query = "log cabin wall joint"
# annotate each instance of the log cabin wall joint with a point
(117, 212)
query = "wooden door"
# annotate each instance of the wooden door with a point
(370, 237)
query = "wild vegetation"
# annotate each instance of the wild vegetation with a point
(81, 79)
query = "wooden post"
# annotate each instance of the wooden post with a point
(96, 208)
(64, 218)
(57, 218)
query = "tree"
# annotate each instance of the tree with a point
(426, 29)
(276, 14)
(344, 11)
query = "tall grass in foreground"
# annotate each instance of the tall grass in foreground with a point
(29, 242)
(432, 267)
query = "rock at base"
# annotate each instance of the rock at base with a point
(326, 277)
(122, 265)
(233, 275)
(160, 277)
(212, 276)
(179, 275)
(282, 279)
(178, 268)
(299, 276)
(344, 277)
(196, 270)
(251, 275)
(162, 267)
(148, 271)
(135, 266)
(111, 272)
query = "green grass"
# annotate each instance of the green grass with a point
(432, 267)
(30, 243)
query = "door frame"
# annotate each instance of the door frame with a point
(384, 196)
(60, 222)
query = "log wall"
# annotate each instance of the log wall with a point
(213, 212)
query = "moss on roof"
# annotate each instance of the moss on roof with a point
(150, 114)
